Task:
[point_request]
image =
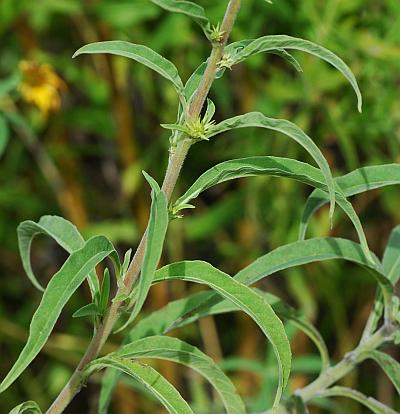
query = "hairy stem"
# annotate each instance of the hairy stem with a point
(174, 167)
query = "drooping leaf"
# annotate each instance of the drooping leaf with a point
(178, 313)
(57, 293)
(257, 119)
(369, 402)
(156, 231)
(278, 42)
(173, 349)
(193, 10)
(148, 377)
(267, 165)
(246, 299)
(355, 182)
(141, 54)
(28, 406)
(304, 252)
(4, 134)
(388, 364)
(61, 231)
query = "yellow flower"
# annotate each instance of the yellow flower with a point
(41, 86)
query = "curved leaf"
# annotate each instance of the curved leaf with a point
(173, 349)
(58, 291)
(246, 299)
(355, 182)
(267, 165)
(388, 364)
(304, 252)
(148, 377)
(139, 53)
(156, 231)
(61, 231)
(30, 406)
(269, 43)
(369, 402)
(257, 119)
(187, 8)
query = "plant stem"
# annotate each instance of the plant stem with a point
(338, 371)
(175, 164)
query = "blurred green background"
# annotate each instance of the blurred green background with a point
(77, 133)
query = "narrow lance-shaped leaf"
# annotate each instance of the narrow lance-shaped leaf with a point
(369, 402)
(173, 349)
(58, 291)
(257, 119)
(175, 315)
(193, 10)
(148, 377)
(388, 364)
(155, 235)
(60, 230)
(141, 54)
(246, 299)
(303, 252)
(28, 406)
(268, 43)
(266, 165)
(356, 182)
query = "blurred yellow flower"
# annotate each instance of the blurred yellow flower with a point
(41, 86)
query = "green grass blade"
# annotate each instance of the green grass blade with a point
(246, 299)
(148, 377)
(58, 291)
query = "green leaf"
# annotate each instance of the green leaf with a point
(156, 231)
(148, 377)
(90, 309)
(257, 119)
(304, 252)
(355, 182)
(61, 231)
(30, 406)
(9, 84)
(58, 291)
(369, 402)
(270, 43)
(105, 292)
(266, 165)
(175, 315)
(4, 134)
(141, 54)
(391, 256)
(172, 349)
(246, 299)
(388, 364)
(194, 11)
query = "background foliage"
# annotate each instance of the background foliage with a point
(83, 160)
